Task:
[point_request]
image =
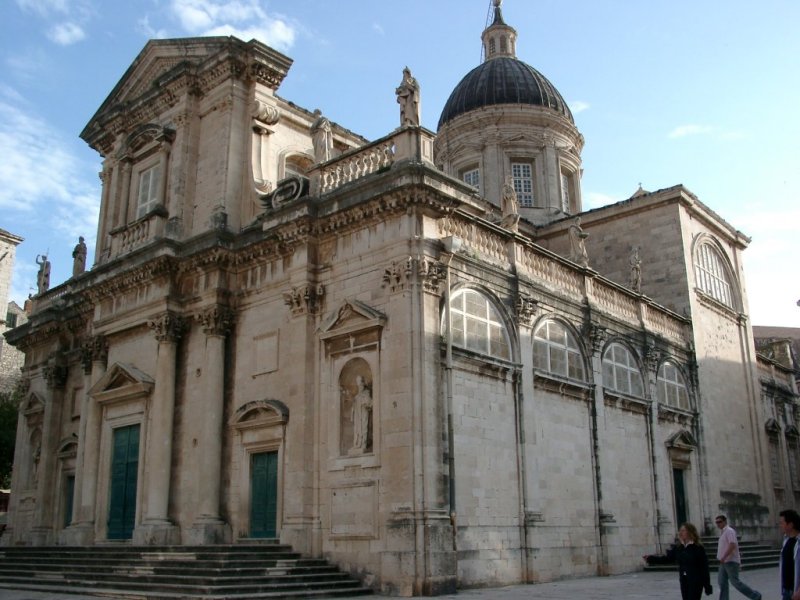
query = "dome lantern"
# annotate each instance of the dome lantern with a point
(499, 39)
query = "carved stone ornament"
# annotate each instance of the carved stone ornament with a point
(55, 375)
(432, 273)
(652, 358)
(168, 327)
(398, 275)
(266, 113)
(306, 299)
(288, 189)
(216, 320)
(94, 349)
(526, 307)
(596, 336)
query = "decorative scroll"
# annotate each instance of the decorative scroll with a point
(288, 189)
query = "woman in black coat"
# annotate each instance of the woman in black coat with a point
(692, 563)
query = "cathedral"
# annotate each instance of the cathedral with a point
(416, 356)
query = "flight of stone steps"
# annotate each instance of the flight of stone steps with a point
(754, 556)
(240, 571)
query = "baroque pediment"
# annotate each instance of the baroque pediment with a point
(121, 381)
(682, 439)
(34, 404)
(350, 316)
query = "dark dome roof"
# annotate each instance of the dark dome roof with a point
(502, 80)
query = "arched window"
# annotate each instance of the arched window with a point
(297, 164)
(620, 371)
(556, 351)
(476, 325)
(672, 387)
(712, 274)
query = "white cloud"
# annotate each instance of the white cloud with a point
(245, 19)
(149, 31)
(578, 106)
(377, 27)
(44, 8)
(690, 129)
(65, 34)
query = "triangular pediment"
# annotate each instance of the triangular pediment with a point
(682, 439)
(121, 376)
(351, 315)
(33, 404)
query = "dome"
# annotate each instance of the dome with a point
(503, 80)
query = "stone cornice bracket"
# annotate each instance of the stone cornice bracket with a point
(596, 336)
(306, 299)
(432, 273)
(168, 327)
(216, 320)
(526, 308)
(94, 349)
(265, 113)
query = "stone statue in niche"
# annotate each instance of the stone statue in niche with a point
(356, 408)
(321, 137)
(43, 276)
(509, 205)
(577, 243)
(79, 258)
(409, 100)
(636, 270)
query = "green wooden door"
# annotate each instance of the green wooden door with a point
(263, 494)
(69, 493)
(680, 496)
(124, 470)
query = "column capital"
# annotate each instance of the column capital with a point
(168, 326)
(216, 320)
(526, 308)
(596, 336)
(93, 349)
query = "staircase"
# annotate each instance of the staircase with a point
(266, 570)
(754, 556)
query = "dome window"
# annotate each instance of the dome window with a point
(492, 47)
(522, 173)
(472, 176)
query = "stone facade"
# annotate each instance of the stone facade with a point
(365, 358)
(11, 359)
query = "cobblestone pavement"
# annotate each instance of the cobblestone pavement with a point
(642, 586)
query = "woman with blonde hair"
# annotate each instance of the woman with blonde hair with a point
(692, 563)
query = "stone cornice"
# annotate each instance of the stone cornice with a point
(162, 265)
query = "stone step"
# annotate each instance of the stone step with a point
(208, 572)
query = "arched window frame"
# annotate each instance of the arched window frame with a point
(714, 275)
(623, 376)
(671, 387)
(567, 351)
(462, 322)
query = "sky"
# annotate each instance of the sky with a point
(700, 93)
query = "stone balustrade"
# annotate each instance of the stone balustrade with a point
(410, 143)
(136, 234)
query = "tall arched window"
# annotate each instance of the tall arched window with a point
(621, 372)
(476, 324)
(672, 386)
(556, 351)
(712, 274)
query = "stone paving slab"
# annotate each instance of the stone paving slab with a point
(633, 586)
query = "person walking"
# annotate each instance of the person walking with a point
(789, 522)
(692, 562)
(730, 561)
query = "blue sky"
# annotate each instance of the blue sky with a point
(665, 92)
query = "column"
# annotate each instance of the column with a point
(208, 527)
(81, 533)
(156, 528)
(55, 374)
(661, 467)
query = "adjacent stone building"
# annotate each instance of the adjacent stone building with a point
(417, 356)
(11, 359)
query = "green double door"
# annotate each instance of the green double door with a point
(263, 494)
(124, 473)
